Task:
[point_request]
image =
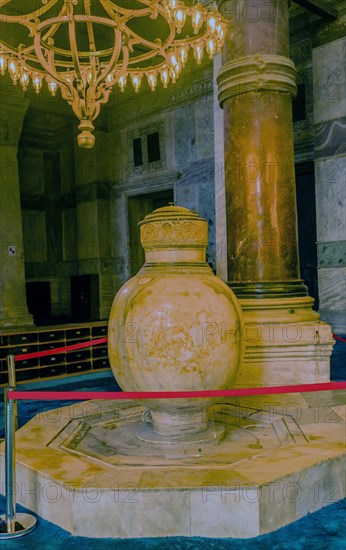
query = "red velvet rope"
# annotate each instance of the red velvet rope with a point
(267, 390)
(339, 338)
(60, 350)
(73, 347)
(84, 396)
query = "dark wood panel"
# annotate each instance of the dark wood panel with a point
(56, 370)
(99, 331)
(74, 368)
(51, 338)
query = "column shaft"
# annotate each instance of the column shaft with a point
(284, 340)
(256, 85)
(13, 306)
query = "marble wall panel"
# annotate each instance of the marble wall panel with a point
(196, 190)
(69, 234)
(205, 127)
(330, 138)
(34, 236)
(31, 172)
(104, 227)
(330, 198)
(332, 289)
(67, 169)
(87, 231)
(331, 254)
(54, 233)
(185, 135)
(329, 81)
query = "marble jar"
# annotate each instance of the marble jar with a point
(175, 326)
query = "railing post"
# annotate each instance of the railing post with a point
(12, 524)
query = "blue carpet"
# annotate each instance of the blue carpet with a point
(338, 361)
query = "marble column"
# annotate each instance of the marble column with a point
(285, 341)
(13, 306)
(329, 81)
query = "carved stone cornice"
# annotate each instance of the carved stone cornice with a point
(156, 183)
(324, 32)
(128, 112)
(258, 72)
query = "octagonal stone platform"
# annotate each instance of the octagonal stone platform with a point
(83, 468)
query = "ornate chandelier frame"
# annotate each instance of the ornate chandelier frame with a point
(145, 43)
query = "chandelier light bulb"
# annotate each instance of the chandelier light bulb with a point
(173, 4)
(136, 81)
(122, 81)
(152, 81)
(164, 75)
(197, 17)
(221, 33)
(110, 79)
(172, 58)
(73, 48)
(211, 47)
(91, 75)
(173, 75)
(183, 55)
(198, 50)
(3, 64)
(212, 22)
(13, 69)
(180, 17)
(24, 79)
(37, 82)
(52, 86)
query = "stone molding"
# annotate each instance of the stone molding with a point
(326, 32)
(156, 182)
(258, 72)
(164, 101)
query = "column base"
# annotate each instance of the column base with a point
(285, 343)
(22, 320)
(273, 289)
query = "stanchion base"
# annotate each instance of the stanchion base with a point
(24, 523)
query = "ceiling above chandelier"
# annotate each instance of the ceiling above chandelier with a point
(86, 47)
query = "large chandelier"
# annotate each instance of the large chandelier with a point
(86, 47)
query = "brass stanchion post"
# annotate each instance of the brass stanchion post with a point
(12, 524)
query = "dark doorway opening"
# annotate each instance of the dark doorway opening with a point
(85, 298)
(138, 207)
(306, 208)
(39, 301)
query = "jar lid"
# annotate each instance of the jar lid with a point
(173, 226)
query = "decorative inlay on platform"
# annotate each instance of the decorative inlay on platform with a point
(117, 437)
